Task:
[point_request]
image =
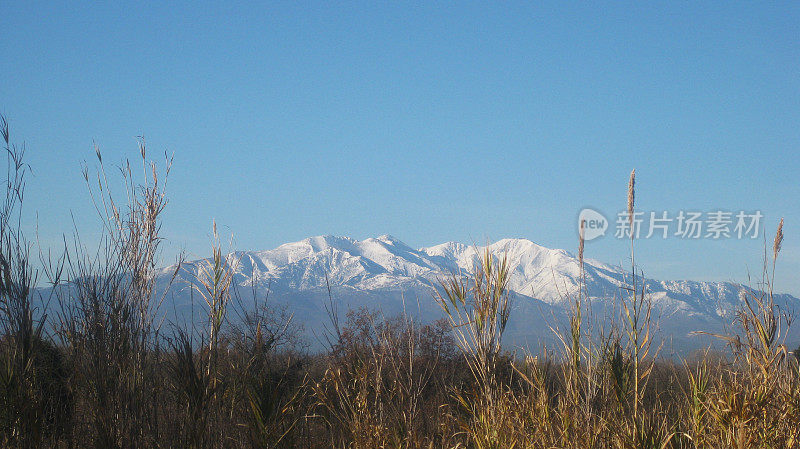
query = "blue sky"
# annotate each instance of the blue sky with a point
(430, 122)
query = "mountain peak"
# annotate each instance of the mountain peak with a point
(388, 239)
(517, 243)
(323, 242)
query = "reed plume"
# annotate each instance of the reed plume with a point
(631, 195)
(776, 246)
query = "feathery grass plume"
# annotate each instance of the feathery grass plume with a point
(776, 246)
(631, 195)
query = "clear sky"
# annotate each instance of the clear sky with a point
(430, 122)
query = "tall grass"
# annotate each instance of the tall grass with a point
(33, 396)
(108, 307)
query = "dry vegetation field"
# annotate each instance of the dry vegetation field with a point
(98, 366)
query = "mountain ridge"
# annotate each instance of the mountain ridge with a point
(382, 272)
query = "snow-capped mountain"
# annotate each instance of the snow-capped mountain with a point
(386, 274)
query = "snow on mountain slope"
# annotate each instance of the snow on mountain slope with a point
(384, 272)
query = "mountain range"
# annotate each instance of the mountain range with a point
(386, 275)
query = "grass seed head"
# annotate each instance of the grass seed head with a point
(631, 194)
(776, 247)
